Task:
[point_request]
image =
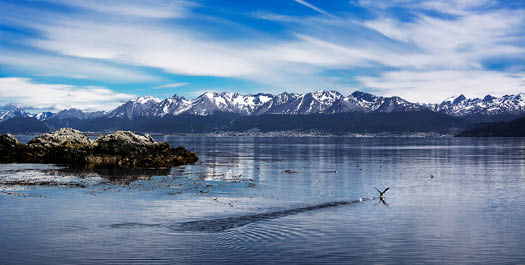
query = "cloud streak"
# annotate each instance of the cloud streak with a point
(173, 85)
(58, 96)
(70, 67)
(315, 8)
(438, 85)
(157, 9)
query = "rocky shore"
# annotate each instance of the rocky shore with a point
(122, 149)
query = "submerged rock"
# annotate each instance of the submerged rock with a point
(71, 147)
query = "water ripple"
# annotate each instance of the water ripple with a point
(223, 224)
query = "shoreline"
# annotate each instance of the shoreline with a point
(282, 134)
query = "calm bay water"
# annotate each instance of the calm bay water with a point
(262, 200)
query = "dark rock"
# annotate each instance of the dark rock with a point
(65, 146)
(126, 149)
(118, 150)
(65, 136)
(10, 148)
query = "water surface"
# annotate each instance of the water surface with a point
(273, 200)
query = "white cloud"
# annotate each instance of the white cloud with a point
(71, 67)
(171, 85)
(434, 86)
(431, 45)
(296, 61)
(58, 96)
(471, 33)
(174, 50)
(146, 9)
(443, 6)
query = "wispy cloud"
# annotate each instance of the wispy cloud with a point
(442, 6)
(424, 44)
(71, 67)
(173, 85)
(388, 52)
(304, 3)
(435, 86)
(135, 8)
(58, 96)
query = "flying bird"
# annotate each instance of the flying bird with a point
(382, 193)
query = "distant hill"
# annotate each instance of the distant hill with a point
(515, 128)
(356, 122)
(19, 125)
(353, 122)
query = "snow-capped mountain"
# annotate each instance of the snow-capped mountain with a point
(460, 106)
(170, 106)
(329, 102)
(42, 116)
(205, 104)
(9, 113)
(210, 102)
(285, 103)
(320, 102)
(72, 114)
(67, 114)
(140, 107)
(366, 102)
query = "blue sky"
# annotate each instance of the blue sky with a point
(96, 54)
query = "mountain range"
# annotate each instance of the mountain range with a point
(231, 109)
(321, 102)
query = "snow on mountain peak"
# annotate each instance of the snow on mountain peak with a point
(147, 99)
(11, 113)
(461, 106)
(327, 96)
(319, 102)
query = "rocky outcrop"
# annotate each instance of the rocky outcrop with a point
(11, 149)
(67, 145)
(71, 147)
(126, 149)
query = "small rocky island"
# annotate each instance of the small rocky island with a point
(122, 149)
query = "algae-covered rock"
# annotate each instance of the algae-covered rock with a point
(65, 136)
(127, 149)
(65, 146)
(71, 147)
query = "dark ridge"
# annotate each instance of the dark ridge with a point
(184, 123)
(478, 119)
(355, 122)
(19, 125)
(515, 128)
(338, 123)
